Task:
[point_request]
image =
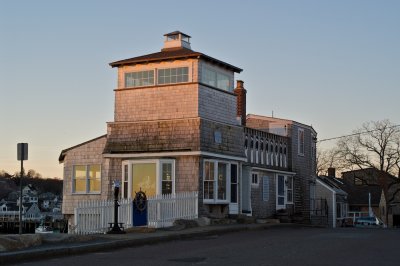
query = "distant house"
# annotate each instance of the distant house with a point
(328, 188)
(180, 125)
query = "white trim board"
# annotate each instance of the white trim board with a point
(177, 153)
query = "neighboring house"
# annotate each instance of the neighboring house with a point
(328, 188)
(180, 126)
(385, 195)
(32, 212)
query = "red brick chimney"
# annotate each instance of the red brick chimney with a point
(240, 92)
(331, 172)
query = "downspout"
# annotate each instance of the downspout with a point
(334, 209)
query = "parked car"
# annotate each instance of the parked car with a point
(371, 221)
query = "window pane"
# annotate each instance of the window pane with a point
(79, 178)
(166, 187)
(141, 78)
(94, 178)
(144, 178)
(222, 180)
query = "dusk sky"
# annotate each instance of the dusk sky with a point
(329, 64)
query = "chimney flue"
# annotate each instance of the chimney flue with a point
(331, 172)
(240, 92)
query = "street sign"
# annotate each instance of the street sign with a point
(22, 151)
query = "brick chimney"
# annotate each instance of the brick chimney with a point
(331, 172)
(240, 92)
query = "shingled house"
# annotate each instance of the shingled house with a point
(180, 125)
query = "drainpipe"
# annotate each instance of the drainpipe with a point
(334, 210)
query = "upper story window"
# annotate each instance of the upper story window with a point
(216, 79)
(301, 141)
(139, 79)
(173, 75)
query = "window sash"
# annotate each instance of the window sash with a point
(301, 141)
(86, 179)
(172, 75)
(216, 181)
(139, 79)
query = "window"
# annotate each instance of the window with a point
(301, 141)
(154, 177)
(216, 79)
(358, 181)
(209, 180)
(234, 183)
(139, 79)
(125, 182)
(166, 178)
(216, 184)
(173, 75)
(265, 193)
(87, 178)
(254, 179)
(289, 189)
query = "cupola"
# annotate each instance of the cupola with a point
(176, 39)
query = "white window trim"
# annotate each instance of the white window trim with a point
(258, 179)
(215, 200)
(299, 152)
(285, 189)
(87, 192)
(158, 163)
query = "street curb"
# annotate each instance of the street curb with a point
(108, 245)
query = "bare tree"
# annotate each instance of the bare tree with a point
(329, 158)
(376, 144)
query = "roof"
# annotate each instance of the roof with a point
(358, 194)
(176, 32)
(64, 152)
(332, 183)
(173, 53)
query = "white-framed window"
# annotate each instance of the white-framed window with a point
(154, 177)
(234, 183)
(172, 75)
(301, 141)
(139, 78)
(289, 189)
(216, 79)
(86, 179)
(254, 179)
(216, 181)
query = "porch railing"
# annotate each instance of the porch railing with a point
(93, 217)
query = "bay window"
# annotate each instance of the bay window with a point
(217, 181)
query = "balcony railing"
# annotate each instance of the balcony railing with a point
(266, 149)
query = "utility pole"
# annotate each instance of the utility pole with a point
(22, 154)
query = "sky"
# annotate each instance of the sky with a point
(330, 64)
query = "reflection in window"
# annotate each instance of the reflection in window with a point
(173, 75)
(140, 78)
(144, 178)
(216, 79)
(166, 182)
(86, 178)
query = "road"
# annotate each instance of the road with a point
(274, 246)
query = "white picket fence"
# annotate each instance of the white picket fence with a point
(94, 217)
(163, 210)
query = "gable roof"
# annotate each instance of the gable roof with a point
(64, 152)
(358, 194)
(170, 54)
(332, 184)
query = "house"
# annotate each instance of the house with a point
(384, 190)
(180, 125)
(328, 188)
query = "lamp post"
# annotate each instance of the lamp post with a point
(116, 229)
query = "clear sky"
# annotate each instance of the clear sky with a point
(331, 64)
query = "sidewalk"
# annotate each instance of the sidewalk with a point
(61, 245)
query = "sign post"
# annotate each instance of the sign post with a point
(22, 154)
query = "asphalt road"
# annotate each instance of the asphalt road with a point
(274, 246)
